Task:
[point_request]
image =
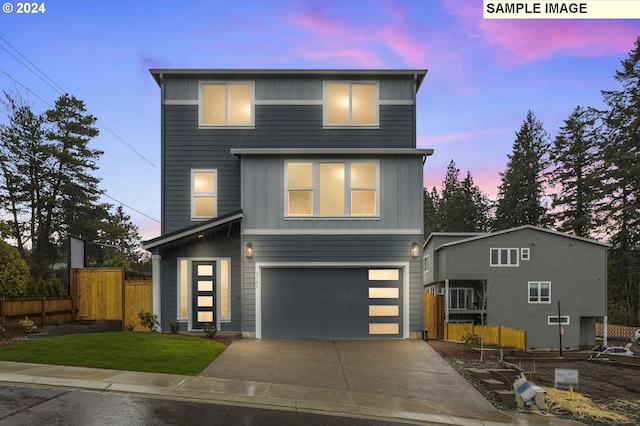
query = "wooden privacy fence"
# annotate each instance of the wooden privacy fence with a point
(41, 310)
(615, 330)
(109, 294)
(496, 335)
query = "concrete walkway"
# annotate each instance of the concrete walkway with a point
(395, 380)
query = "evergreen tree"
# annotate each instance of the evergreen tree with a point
(620, 150)
(520, 195)
(620, 171)
(460, 206)
(574, 156)
(48, 188)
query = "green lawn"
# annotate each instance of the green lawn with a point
(127, 350)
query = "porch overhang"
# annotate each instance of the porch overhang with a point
(194, 230)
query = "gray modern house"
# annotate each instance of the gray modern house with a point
(527, 277)
(291, 203)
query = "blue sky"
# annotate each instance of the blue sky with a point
(484, 75)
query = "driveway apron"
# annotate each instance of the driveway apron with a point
(408, 369)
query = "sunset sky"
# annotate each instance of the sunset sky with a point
(484, 75)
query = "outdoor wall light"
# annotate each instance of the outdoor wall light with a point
(415, 250)
(249, 250)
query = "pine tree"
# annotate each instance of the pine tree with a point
(574, 156)
(460, 206)
(521, 193)
(620, 206)
(48, 188)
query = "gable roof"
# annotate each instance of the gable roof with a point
(196, 229)
(516, 229)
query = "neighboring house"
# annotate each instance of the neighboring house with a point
(521, 277)
(291, 203)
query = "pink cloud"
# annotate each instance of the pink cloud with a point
(523, 41)
(336, 36)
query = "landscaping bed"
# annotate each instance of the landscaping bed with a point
(607, 394)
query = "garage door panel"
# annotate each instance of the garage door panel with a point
(325, 303)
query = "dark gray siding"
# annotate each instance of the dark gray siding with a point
(333, 249)
(220, 245)
(187, 147)
(287, 88)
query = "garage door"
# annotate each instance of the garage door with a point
(331, 302)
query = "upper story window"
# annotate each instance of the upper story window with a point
(525, 253)
(340, 188)
(504, 257)
(539, 292)
(204, 198)
(226, 104)
(426, 263)
(351, 104)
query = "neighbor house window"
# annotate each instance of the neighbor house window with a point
(539, 292)
(226, 104)
(551, 320)
(525, 254)
(204, 194)
(504, 257)
(460, 298)
(426, 263)
(351, 104)
(341, 188)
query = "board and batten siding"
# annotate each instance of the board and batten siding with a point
(287, 88)
(263, 198)
(334, 251)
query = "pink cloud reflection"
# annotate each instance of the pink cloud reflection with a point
(524, 41)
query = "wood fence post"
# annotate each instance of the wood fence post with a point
(43, 310)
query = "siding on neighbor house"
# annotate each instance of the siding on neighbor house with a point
(224, 246)
(575, 268)
(263, 197)
(333, 249)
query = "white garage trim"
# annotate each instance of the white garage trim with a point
(404, 266)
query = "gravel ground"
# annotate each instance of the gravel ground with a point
(611, 387)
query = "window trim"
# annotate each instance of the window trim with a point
(539, 300)
(194, 194)
(226, 125)
(325, 105)
(465, 289)
(315, 205)
(508, 264)
(562, 320)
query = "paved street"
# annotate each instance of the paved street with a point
(35, 406)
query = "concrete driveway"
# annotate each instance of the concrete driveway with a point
(407, 369)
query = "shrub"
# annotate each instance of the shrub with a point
(29, 326)
(14, 272)
(473, 341)
(149, 320)
(3, 328)
(210, 330)
(174, 326)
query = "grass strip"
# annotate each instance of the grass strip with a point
(127, 350)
